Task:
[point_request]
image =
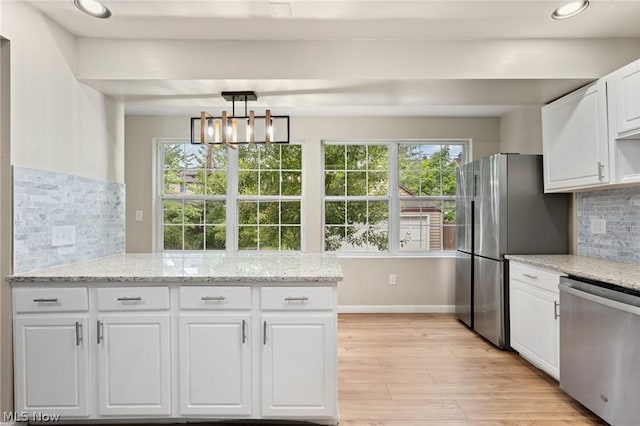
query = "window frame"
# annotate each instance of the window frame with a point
(231, 198)
(394, 197)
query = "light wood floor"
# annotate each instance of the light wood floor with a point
(428, 369)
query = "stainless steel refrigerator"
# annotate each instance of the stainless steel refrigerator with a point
(501, 209)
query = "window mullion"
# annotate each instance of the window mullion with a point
(394, 207)
(232, 201)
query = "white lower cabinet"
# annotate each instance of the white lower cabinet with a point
(215, 364)
(52, 365)
(298, 366)
(534, 316)
(169, 352)
(134, 368)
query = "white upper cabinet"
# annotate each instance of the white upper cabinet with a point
(575, 140)
(624, 95)
(623, 91)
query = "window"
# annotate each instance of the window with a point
(193, 197)
(270, 197)
(356, 205)
(202, 198)
(426, 193)
(393, 197)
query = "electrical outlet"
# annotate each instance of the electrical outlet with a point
(392, 279)
(139, 215)
(598, 226)
(63, 235)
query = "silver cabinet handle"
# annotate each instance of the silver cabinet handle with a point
(264, 333)
(129, 299)
(46, 300)
(100, 331)
(600, 169)
(533, 277)
(213, 298)
(78, 333)
(556, 314)
(244, 331)
(296, 299)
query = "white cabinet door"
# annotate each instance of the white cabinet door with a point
(575, 141)
(298, 365)
(134, 369)
(215, 364)
(625, 96)
(51, 365)
(535, 325)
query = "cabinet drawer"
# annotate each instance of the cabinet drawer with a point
(538, 277)
(50, 299)
(215, 298)
(133, 298)
(297, 298)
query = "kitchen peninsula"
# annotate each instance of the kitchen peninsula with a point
(179, 336)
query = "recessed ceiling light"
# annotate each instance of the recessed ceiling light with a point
(93, 8)
(570, 9)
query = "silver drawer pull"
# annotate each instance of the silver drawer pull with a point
(533, 277)
(129, 299)
(556, 314)
(296, 299)
(45, 300)
(213, 298)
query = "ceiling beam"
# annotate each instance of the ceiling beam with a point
(114, 59)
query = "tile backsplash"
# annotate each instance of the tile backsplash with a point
(48, 204)
(620, 209)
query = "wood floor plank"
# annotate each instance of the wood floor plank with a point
(498, 391)
(370, 391)
(390, 410)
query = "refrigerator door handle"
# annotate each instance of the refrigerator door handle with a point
(475, 185)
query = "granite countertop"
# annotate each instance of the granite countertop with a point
(194, 268)
(617, 273)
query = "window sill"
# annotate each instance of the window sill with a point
(439, 255)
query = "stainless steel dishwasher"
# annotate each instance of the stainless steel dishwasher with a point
(600, 349)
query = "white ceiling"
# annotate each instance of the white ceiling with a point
(344, 20)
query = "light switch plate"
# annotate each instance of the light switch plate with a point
(63, 235)
(598, 226)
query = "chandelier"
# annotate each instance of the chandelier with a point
(231, 130)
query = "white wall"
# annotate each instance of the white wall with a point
(55, 123)
(421, 281)
(521, 130)
(6, 373)
(58, 123)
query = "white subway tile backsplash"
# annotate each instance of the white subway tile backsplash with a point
(43, 200)
(620, 208)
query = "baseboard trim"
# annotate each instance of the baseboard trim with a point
(395, 309)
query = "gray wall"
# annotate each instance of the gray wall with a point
(422, 281)
(620, 208)
(521, 130)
